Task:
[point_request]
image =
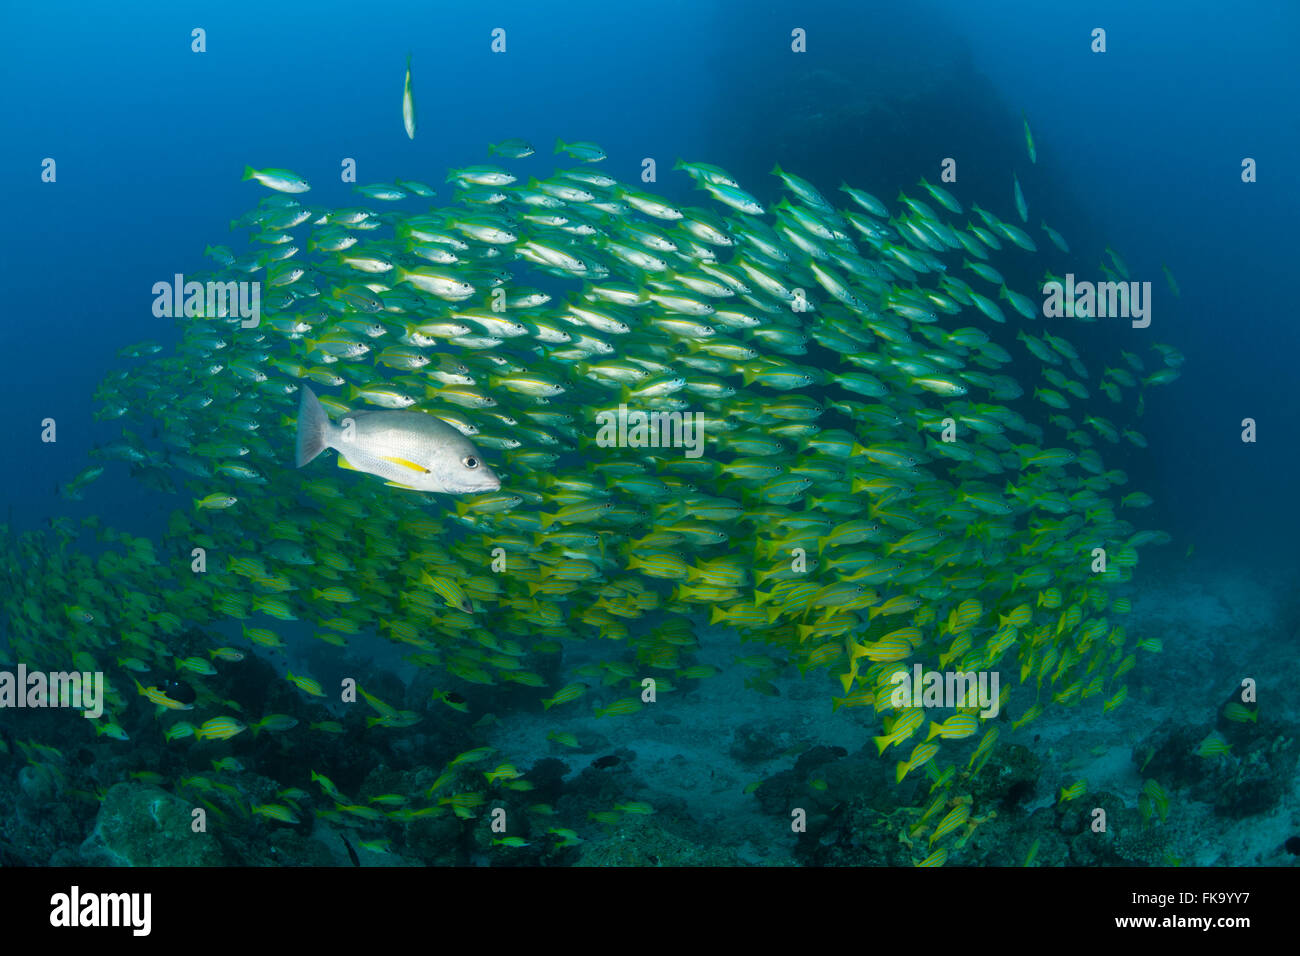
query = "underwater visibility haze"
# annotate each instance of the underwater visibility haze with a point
(710, 434)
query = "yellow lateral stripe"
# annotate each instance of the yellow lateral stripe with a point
(408, 464)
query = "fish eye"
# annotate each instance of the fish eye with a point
(470, 462)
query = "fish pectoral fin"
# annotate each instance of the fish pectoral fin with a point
(394, 484)
(407, 463)
(344, 463)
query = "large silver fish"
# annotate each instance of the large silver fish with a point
(411, 450)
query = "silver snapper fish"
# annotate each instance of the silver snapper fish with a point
(412, 450)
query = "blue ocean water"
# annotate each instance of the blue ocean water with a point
(1144, 141)
(1139, 148)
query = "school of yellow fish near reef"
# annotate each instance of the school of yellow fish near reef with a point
(830, 519)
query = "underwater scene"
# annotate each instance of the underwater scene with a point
(700, 434)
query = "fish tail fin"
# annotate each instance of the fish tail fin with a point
(559, 145)
(313, 427)
(248, 174)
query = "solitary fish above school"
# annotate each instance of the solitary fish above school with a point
(408, 102)
(411, 450)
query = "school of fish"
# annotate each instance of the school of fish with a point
(874, 489)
